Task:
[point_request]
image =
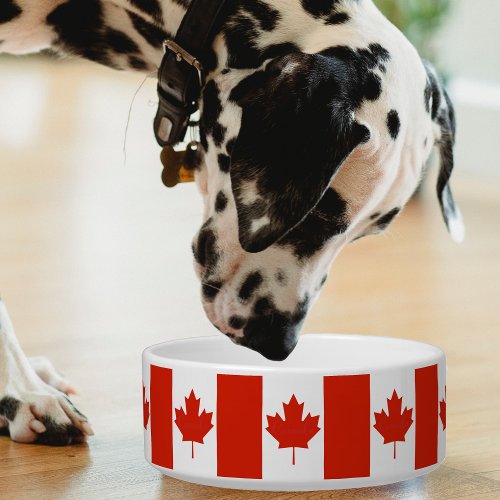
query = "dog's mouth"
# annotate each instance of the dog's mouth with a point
(255, 322)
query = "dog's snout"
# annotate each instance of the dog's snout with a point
(274, 342)
(270, 332)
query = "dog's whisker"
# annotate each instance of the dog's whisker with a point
(136, 93)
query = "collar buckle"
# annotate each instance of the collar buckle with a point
(183, 55)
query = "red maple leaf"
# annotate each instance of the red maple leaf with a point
(145, 407)
(192, 424)
(393, 425)
(292, 431)
(442, 409)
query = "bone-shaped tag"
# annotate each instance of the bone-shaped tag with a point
(174, 166)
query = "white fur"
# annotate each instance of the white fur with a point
(19, 380)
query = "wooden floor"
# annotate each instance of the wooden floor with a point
(95, 266)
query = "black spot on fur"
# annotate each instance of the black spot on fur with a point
(212, 108)
(210, 290)
(9, 10)
(241, 33)
(205, 252)
(151, 33)
(325, 10)
(57, 434)
(266, 16)
(151, 7)
(9, 407)
(80, 28)
(220, 202)
(281, 277)
(368, 58)
(218, 134)
(372, 87)
(386, 219)
(360, 64)
(120, 42)
(327, 220)
(240, 36)
(323, 280)
(318, 8)
(224, 163)
(137, 63)
(358, 72)
(250, 286)
(375, 215)
(237, 322)
(393, 123)
(338, 18)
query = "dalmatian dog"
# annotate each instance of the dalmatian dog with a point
(317, 120)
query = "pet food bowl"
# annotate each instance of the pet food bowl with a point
(342, 411)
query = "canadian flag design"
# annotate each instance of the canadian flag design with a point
(258, 427)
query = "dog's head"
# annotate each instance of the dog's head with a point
(301, 156)
(291, 175)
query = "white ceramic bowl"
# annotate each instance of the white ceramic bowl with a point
(342, 411)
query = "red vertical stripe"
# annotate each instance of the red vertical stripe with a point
(161, 416)
(239, 426)
(426, 416)
(347, 426)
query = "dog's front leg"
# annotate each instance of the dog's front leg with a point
(31, 410)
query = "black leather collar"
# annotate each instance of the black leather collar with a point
(181, 74)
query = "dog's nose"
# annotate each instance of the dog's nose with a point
(273, 336)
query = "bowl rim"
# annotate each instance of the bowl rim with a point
(436, 354)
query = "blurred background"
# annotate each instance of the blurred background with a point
(95, 260)
(462, 39)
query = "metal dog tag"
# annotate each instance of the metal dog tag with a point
(174, 165)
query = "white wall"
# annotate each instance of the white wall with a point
(468, 49)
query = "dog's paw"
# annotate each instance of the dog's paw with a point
(35, 417)
(46, 371)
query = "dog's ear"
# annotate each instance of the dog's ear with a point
(442, 111)
(296, 131)
(451, 213)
